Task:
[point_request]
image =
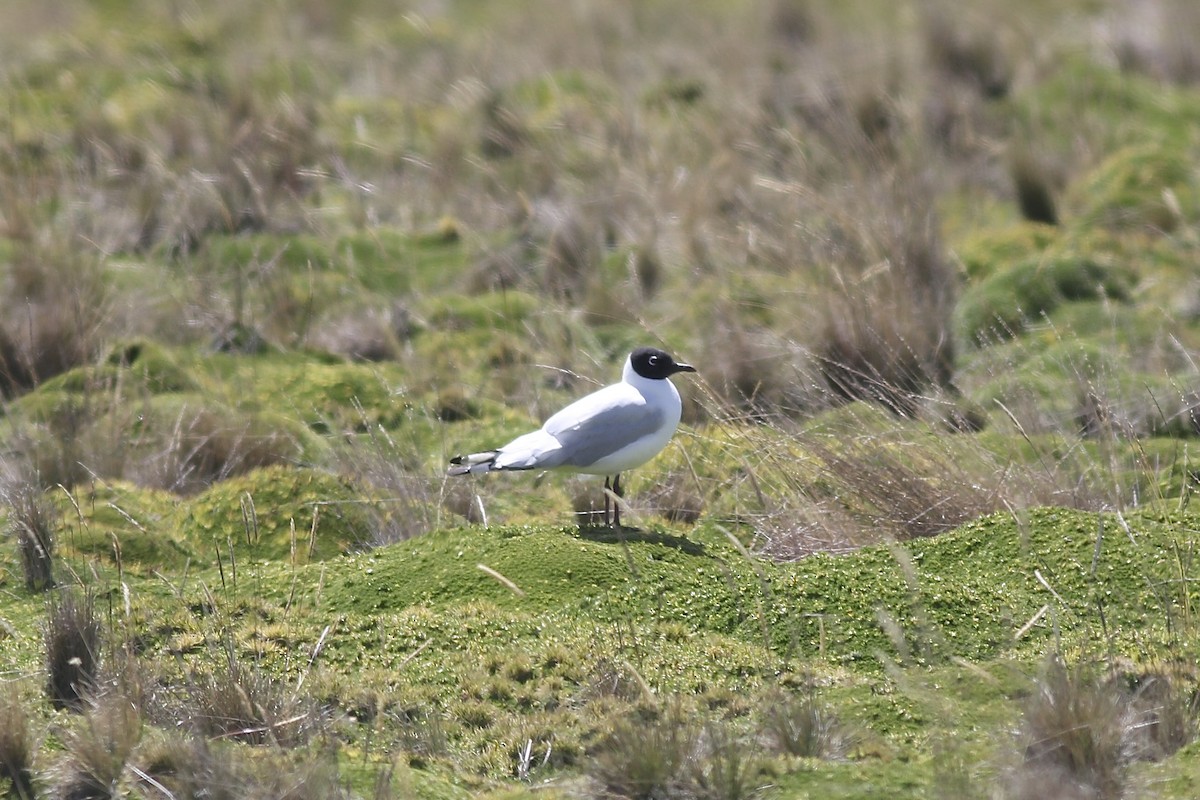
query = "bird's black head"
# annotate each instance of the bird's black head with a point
(652, 363)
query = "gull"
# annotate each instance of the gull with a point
(608, 432)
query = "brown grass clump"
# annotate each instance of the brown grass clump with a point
(99, 751)
(1166, 710)
(73, 644)
(858, 477)
(17, 746)
(724, 766)
(646, 758)
(370, 334)
(232, 157)
(900, 495)
(114, 428)
(888, 335)
(793, 22)
(571, 253)
(503, 132)
(751, 372)
(967, 49)
(675, 752)
(32, 521)
(242, 702)
(871, 268)
(866, 354)
(798, 725)
(1035, 194)
(188, 766)
(56, 306)
(408, 500)
(1081, 729)
(14, 374)
(1157, 39)
(676, 497)
(1077, 731)
(855, 488)
(206, 445)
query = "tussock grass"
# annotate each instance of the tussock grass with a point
(33, 521)
(57, 311)
(965, 46)
(109, 427)
(726, 765)
(888, 336)
(1083, 730)
(409, 501)
(1156, 42)
(1165, 712)
(370, 334)
(99, 751)
(206, 445)
(17, 746)
(241, 702)
(645, 758)
(73, 648)
(1077, 727)
(856, 477)
(673, 751)
(801, 725)
(1035, 191)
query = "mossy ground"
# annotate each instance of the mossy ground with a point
(516, 633)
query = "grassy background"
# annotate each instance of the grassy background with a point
(925, 530)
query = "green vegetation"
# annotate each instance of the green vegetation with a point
(926, 531)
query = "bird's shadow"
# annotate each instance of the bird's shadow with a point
(623, 535)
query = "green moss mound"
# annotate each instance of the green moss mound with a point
(135, 368)
(384, 260)
(495, 311)
(524, 567)
(1142, 187)
(323, 395)
(153, 366)
(283, 513)
(1002, 305)
(137, 365)
(989, 250)
(123, 525)
(973, 593)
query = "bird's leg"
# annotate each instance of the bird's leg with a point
(607, 500)
(616, 489)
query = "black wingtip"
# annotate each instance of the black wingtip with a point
(472, 462)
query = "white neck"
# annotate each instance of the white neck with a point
(628, 374)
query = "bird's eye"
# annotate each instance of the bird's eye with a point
(653, 359)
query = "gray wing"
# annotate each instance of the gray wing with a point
(605, 432)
